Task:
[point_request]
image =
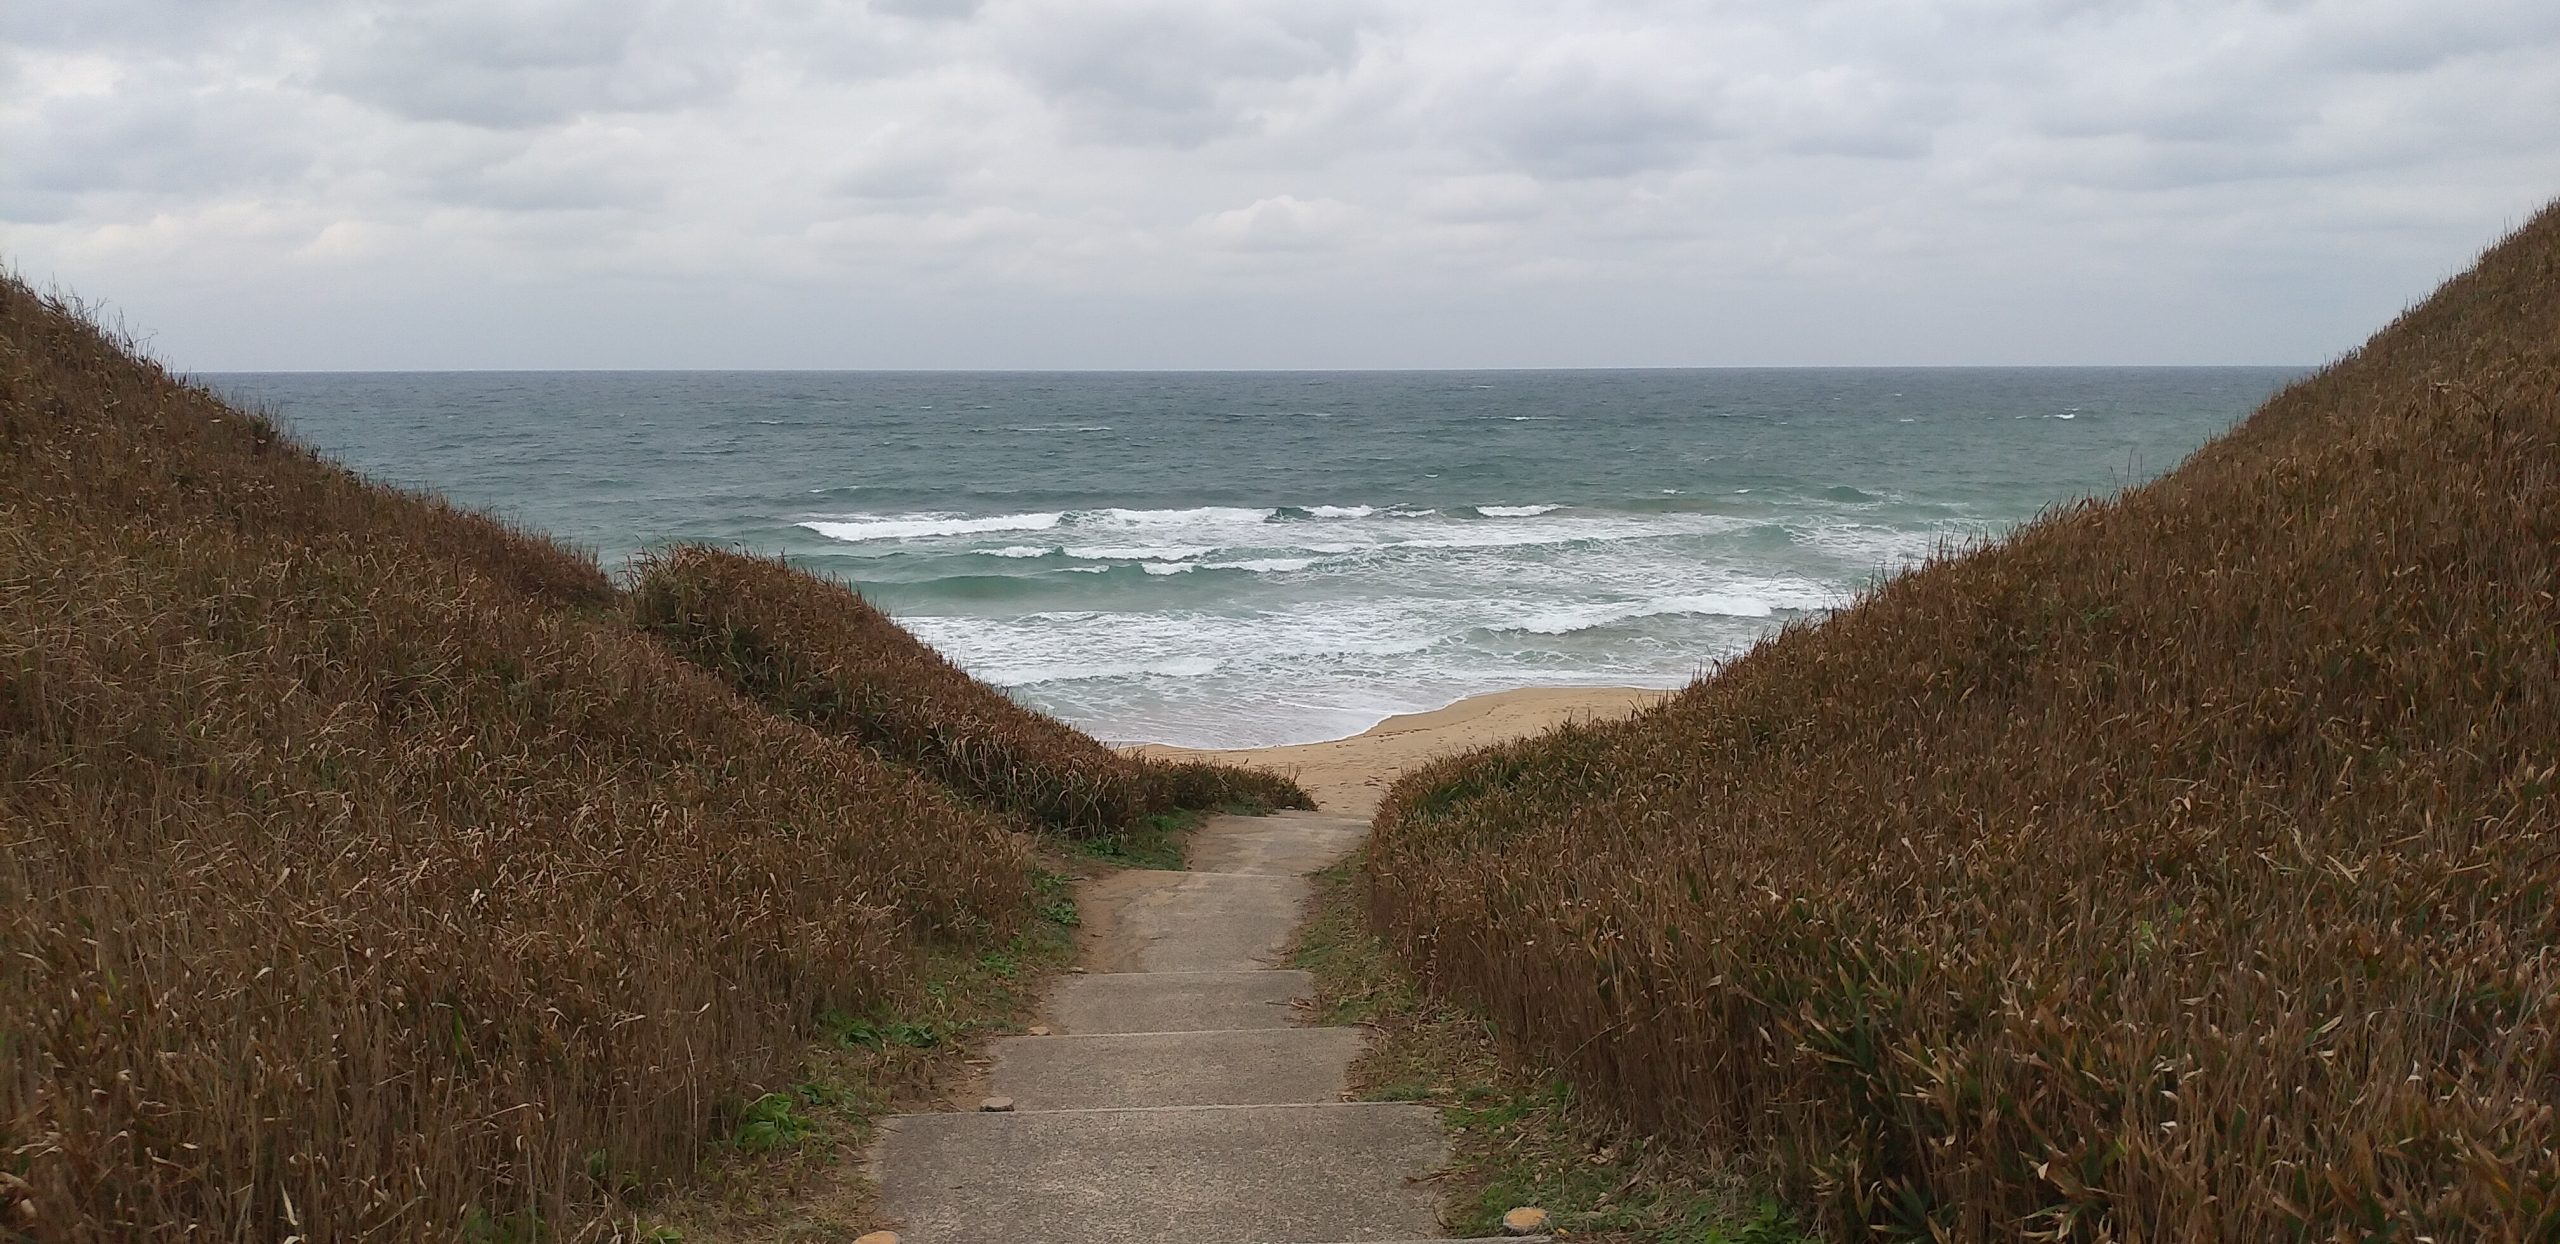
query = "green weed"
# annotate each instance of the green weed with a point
(770, 1122)
(1157, 840)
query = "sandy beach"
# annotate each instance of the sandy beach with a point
(1348, 776)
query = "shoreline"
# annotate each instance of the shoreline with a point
(1349, 775)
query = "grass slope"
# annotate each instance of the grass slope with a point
(817, 652)
(1516, 1136)
(2181, 868)
(363, 873)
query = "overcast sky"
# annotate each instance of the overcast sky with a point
(1264, 183)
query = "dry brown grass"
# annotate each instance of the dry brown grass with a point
(2181, 868)
(816, 651)
(1516, 1135)
(362, 874)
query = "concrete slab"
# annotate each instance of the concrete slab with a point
(1203, 1175)
(1285, 845)
(1147, 921)
(1176, 1001)
(1248, 1067)
(1302, 817)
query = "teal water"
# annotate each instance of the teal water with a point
(1226, 559)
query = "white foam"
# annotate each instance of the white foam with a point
(1320, 631)
(1427, 532)
(1266, 565)
(1892, 548)
(1716, 603)
(1250, 533)
(1516, 537)
(1067, 671)
(1140, 552)
(857, 528)
(1235, 521)
(1329, 622)
(1568, 620)
(1196, 515)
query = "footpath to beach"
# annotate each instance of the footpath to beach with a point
(1169, 1093)
(1172, 1096)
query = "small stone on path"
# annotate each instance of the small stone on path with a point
(1526, 1220)
(997, 1105)
(877, 1237)
(1039, 1030)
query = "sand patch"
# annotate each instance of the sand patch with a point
(1347, 776)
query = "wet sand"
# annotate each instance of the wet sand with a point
(1347, 776)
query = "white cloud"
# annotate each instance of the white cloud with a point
(1127, 182)
(1282, 222)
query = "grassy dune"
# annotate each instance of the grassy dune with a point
(2181, 868)
(817, 652)
(365, 873)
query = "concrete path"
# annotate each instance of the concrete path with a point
(1176, 1101)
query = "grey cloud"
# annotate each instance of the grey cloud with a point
(930, 10)
(2185, 108)
(2378, 39)
(896, 180)
(1492, 199)
(1893, 143)
(500, 66)
(1174, 73)
(1582, 123)
(1833, 111)
(2290, 104)
(529, 184)
(152, 138)
(2141, 164)
(1098, 153)
(155, 24)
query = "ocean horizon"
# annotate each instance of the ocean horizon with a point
(1240, 558)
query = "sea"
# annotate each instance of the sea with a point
(1244, 559)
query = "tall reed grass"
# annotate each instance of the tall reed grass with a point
(2181, 868)
(363, 874)
(818, 652)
